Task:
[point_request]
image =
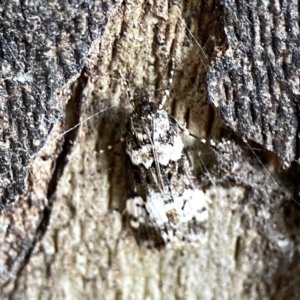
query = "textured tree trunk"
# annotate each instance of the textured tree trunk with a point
(65, 235)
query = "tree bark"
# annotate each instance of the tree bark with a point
(65, 237)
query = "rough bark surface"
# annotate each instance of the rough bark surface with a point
(256, 83)
(65, 238)
(43, 47)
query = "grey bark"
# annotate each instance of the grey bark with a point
(65, 237)
(43, 48)
(255, 84)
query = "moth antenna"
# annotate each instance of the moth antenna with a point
(85, 120)
(167, 91)
(269, 174)
(127, 90)
(206, 170)
(203, 56)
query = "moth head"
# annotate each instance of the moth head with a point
(144, 107)
(147, 110)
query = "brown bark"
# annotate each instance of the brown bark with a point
(65, 237)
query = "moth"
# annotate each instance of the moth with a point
(165, 204)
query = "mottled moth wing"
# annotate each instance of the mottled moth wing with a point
(165, 203)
